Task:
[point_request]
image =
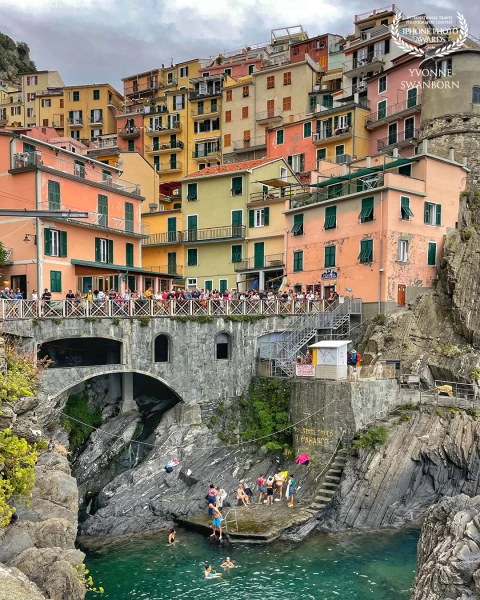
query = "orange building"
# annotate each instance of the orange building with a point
(101, 252)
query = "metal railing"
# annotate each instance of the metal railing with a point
(394, 109)
(213, 150)
(274, 113)
(24, 160)
(172, 126)
(364, 61)
(328, 133)
(212, 233)
(208, 93)
(375, 12)
(33, 309)
(173, 165)
(171, 269)
(76, 122)
(272, 194)
(138, 88)
(159, 147)
(129, 132)
(96, 121)
(260, 262)
(108, 143)
(157, 109)
(197, 112)
(134, 109)
(167, 237)
(401, 137)
(249, 142)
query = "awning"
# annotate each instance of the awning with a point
(108, 268)
(365, 171)
(167, 188)
(278, 183)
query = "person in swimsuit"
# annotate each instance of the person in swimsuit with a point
(279, 484)
(217, 521)
(227, 563)
(270, 490)
(211, 497)
(209, 574)
(171, 537)
(291, 490)
(241, 495)
(261, 487)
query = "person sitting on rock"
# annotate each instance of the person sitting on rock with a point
(242, 496)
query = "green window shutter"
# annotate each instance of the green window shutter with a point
(110, 252)
(53, 195)
(97, 249)
(426, 212)
(266, 216)
(129, 225)
(237, 186)
(208, 284)
(192, 257)
(313, 103)
(103, 210)
(192, 192)
(289, 160)
(223, 285)
(349, 119)
(92, 115)
(432, 254)
(405, 210)
(172, 229)
(335, 122)
(251, 218)
(96, 94)
(48, 241)
(330, 217)
(280, 136)
(177, 205)
(298, 261)
(411, 97)
(298, 224)
(307, 129)
(366, 251)
(321, 153)
(63, 243)
(366, 213)
(236, 253)
(438, 216)
(129, 255)
(329, 126)
(382, 109)
(302, 163)
(330, 256)
(55, 281)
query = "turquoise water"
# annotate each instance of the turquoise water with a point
(322, 567)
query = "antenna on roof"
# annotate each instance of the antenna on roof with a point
(171, 62)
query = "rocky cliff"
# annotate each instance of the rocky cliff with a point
(14, 59)
(429, 457)
(449, 551)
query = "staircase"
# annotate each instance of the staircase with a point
(330, 482)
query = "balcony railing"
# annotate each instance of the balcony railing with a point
(364, 61)
(151, 148)
(140, 88)
(375, 12)
(212, 233)
(249, 143)
(97, 120)
(173, 165)
(129, 132)
(327, 133)
(173, 126)
(276, 193)
(58, 124)
(208, 93)
(204, 112)
(171, 269)
(275, 114)
(394, 110)
(108, 143)
(167, 237)
(206, 152)
(75, 122)
(134, 109)
(399, 139)
(269, 261)
(23, 160)
(156, 109)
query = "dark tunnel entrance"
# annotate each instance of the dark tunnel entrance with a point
(81, 352)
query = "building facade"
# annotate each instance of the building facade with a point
(33, 83)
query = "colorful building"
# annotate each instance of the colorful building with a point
(221, 204)
(11, 106)
(101, 252)
(375, 229)
(50, 109)
(33, 83)
(294, 142)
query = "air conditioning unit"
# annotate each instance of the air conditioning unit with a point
(343, 158)
(153, 206)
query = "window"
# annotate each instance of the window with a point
(330, 217)
(30, 112)
(179, 102)
(270, 82)
(192, 192)
(321, 154)
(46, 103)
(55, 242)
(287, 103)
(403, 250)
(382, 110)
(405, 210)
(366, 214)
(170, 77)
(476, 94)
(392, 133)
(129, 255)
(30, 97)
(246, 91)
(307, 129)
(222, 341)
(129, 220)
(443, 68)
(55, 281)
(340, 150)
(259, 217)
(327, 101)
(409, 128)
(432, 254)
(237, 186)
(161, 350)
(32, 80)
(61, 106)
(382, 84)
(228, 72)
(15, 110)
(296, 51)
(251, 69)
(405, 170)
(433, 214)
(102, 210)
(53, 195)
(76, 96)
(228, 96)
(280, 136)
(156, 163)
(96, 94)
(366, 251)
(244, 112)
(96, 115)
(95, 133)
(184, 71)
(192, 257)
(329, 256)
(297, 224)
(209, 284)
(104, 250)
(287, 78)
(131, 145)
(412, 95)
(298, 261)
(297, 162)
(214, 105)
(236, 253)
(228, 116)
(227, 140)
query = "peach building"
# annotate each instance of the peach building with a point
(376, 229)
(102, 251)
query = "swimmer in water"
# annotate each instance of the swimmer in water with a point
(209, 574)
(171, 537)
(227, 563)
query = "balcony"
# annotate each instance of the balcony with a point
(58, 124)
(159, 109)
(373, 61)
(3, 120)
(341, 133)
(105, 144)
(172, 127)
(269, 261)
(282, 193)
(160, 148)
(26, 160)
(211, 234)
(402, 138)
(204, 113)
(394, 112)
(161, 239)
(75, 123)
(171, 269)
(248, 144)
(269, 117)
(134, 109)
(203, 154)
(169, 167)
(142, 88)
(209, 92)
(129, 132)
(97, 120)
(375, 13)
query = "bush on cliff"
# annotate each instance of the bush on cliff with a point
(21, 377)
(373, 438)
(77, 410)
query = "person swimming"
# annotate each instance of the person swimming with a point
(227, 563)
(171, 537)
(209, 574)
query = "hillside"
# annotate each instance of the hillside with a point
(14, 59)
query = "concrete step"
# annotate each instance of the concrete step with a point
(336, 465)
(322, 498)
(344, 452)
(326, 492)
(317, 506)
(332, 478)
(330, 484)
(341, 457)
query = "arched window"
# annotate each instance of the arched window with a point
(162, 348)
(223, 346)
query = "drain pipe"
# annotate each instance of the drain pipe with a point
(380, 257)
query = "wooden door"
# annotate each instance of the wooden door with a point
(402, 289)
(270, 108)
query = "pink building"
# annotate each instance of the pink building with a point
(376, 232)
(294, 143)
(395, 103)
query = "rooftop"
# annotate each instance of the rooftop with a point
(231, 167)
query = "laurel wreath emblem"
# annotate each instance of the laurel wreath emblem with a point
(442, 50)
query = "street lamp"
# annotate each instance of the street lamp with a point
(27, 237)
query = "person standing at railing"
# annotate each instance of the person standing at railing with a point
(148, 293)
(69, 297)
(5, 294)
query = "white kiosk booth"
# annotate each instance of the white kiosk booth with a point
(329, 359)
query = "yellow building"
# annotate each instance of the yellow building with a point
(50, 109)
(33, 83)
(90, 110)
(11, 106)
(223, 203)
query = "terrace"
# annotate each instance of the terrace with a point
(269, 117)
(172, 126)
(391, 113)
(398, 139)
(129, 132)
(212, 234)
(249, 143)
(158, 148)
(268, 261)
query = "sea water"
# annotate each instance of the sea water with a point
(322, 567)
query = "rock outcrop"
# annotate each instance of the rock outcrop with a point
(449, 551)
(15, 586)
(425, 459)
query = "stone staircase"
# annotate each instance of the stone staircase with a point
(330, 481)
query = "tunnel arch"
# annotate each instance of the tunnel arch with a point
(81, 351)
(223, 345)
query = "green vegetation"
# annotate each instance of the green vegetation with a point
(116, 321)
(475, 374)
(144, 321)
(407, 406)
(373, 438)
(472, 412)
(57, 321)
(380, 319)
(245, 318)
(3, 257)
(77, 408)
(84, 575)
(467, 234)
(22, 375)
(14, 59)
(451, 350)
(197, 319)
(405, 417)
(17, 460)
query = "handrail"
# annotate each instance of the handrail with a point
(394, 109)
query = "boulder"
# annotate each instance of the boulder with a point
(15, 586)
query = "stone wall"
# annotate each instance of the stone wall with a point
(234, 157)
